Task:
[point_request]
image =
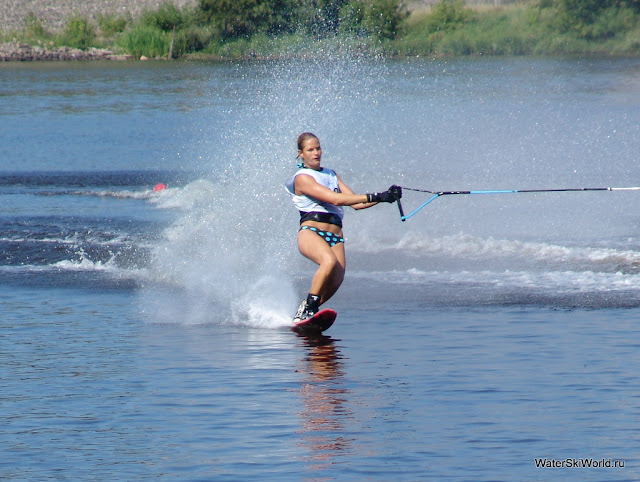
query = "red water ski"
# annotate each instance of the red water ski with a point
(319, 322)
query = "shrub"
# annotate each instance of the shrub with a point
(110, 25)
(380, 18)
(591, 19)
(448, 15)
(79, 33)
(610, 22)
(33, 28)
(193, 39)
(145, 40)
(320, 18)
(166, 18)
(239, 18)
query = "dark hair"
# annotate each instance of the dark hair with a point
(305, 136)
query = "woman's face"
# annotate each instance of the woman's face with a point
(311, 153)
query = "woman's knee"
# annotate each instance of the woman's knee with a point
(330, 262)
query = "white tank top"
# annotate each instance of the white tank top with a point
(306, 204)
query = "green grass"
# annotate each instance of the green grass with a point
(78, 33)
(112, 25)
(144, 41)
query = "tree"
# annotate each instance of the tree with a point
(321, 17)
(238, 18)
(596, 19)
(383, 18)
(378, 18)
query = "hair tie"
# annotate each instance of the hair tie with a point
(300, 165)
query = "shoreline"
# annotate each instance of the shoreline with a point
(20, 52)
(17, 52)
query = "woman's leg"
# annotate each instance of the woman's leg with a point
(337, 275)
(330, 260)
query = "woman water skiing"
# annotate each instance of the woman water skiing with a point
(319, 194)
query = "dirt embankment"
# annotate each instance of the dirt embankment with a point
(18, 52)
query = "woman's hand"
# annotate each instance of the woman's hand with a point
(389, 196)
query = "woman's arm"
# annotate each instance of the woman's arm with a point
(347, 190)
(307, 185)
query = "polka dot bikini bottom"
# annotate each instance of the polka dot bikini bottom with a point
(330, 238)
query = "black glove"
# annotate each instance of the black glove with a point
(391, 195)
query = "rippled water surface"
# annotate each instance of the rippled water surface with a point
(144, 333)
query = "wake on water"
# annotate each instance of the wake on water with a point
(225, 277)
(212, 266)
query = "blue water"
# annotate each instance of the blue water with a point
(143, 334)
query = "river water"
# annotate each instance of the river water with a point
(144, 334)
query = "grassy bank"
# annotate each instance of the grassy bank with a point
(534, 28)
(449, 28)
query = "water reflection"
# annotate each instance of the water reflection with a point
(324, 398)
